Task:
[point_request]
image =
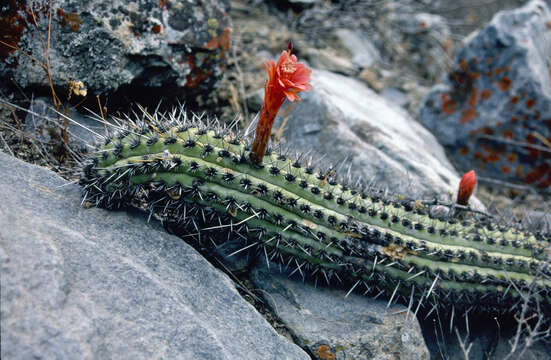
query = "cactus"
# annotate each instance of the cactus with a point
(199, 178)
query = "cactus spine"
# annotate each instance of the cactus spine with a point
(199, 178)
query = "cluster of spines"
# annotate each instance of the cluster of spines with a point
(306, 215)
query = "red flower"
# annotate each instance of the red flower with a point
(466, 187)
(286, 80)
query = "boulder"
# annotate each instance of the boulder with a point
(493, 112)
(334, 326)
(353, 127)
(88, 283)
(170, 47)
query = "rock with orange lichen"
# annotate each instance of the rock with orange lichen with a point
(493, 112)
(122, 47)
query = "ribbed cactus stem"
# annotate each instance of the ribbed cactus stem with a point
(201, 179)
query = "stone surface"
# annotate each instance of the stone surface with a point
(87, 283)
(330, 60)
(43, 124)
(363, 53)
(493, 112)
(336, 327)
(351, 125)
(395, 96)
(419, 42)
(173, 47)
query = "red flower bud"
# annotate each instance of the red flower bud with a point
(286, 80)
(466, 187)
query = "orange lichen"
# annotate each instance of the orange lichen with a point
(485, 94)
(463, 64)
(222, 41)
(530, 103)
(514, 119)
(464, 150)
(514, 99)
(156, 29)
(505, 169)
(537, 174)
(196, 76)
(473, 75)
(512, 157)
(508, 134)
(473, 98)
(505, 83)
(72, 19)
(519, 171)
(448, 105)
(497, 71)
(467, 115)
(324, 353)
(16, 17)
(491, 158)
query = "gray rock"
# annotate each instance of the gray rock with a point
(87, 283)
(45, 125)
(344, 120)
(395, 96)
(364, 53)
(330, 60)
(336, 327)
(419, 42)
(171, 46)
(494, 110)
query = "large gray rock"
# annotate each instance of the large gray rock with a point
(336, 327)
(342, 118)
(87, 283)
(171, 46)
(494, 110)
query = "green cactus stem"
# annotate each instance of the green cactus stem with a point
(199, 178)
